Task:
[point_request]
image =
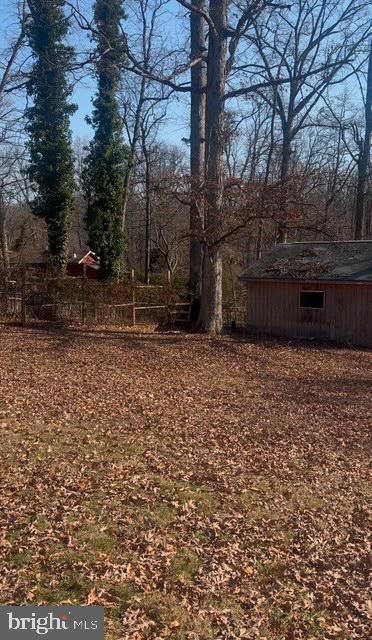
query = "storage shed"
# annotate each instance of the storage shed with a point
(319, 290)
(90, 262)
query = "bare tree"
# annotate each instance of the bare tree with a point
(140, 95)
(157, 187)
(149, 128)
(302, 45)
(11, 70)
(197, 142)
(223, 44)
(11, 143)
(211, 301)
(364, 158)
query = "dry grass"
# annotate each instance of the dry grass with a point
(196, 488)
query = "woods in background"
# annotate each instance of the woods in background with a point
(279, 104)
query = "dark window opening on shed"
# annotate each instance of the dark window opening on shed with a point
(312, 299)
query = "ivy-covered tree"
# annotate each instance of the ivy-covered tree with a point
(51, 166)
(105, 163)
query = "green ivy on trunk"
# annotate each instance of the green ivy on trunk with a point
(105, 164)
(51, 168)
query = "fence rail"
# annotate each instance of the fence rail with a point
(28, 298)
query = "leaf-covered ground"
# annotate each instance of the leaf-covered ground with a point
(196, 488)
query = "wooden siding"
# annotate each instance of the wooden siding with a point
(274, 308)
(76, 270)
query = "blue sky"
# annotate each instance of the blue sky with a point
(174, 129)
(176, 125)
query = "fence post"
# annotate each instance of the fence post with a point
(169, 310)
(84, 295)
(132, 276)
(6, 295)
(23, 297)
(133, 305)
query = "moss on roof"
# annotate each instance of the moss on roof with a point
(342, 261)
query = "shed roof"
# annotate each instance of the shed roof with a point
(339, 261)
(89, 258)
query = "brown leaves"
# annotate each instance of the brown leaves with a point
(196, 488)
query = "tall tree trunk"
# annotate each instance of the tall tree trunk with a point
(197, 147)
(364, 158)
(267, 175)
(282, 234)
(4, 238)
(259, 240)
(127, 184)
(147, 215)
(133, 148)
(210, 319)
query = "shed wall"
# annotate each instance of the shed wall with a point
(76, 270)
(274, 308)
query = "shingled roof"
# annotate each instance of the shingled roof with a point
(340, 261)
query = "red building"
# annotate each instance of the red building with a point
(90, 262)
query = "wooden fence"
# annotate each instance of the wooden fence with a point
(27, 298)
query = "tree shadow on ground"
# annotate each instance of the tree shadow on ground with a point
(66, 336)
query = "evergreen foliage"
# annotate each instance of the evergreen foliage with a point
(51, 166)
(105, 164)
